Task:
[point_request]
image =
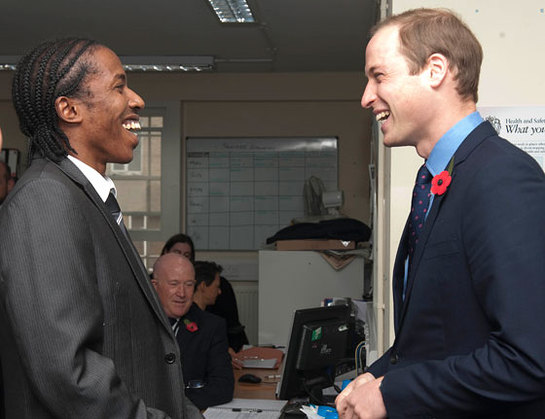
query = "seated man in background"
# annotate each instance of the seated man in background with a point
(207, 288)
(226, 303)
(202, 336)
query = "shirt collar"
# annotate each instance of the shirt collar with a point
(102, 184)
(449, 143)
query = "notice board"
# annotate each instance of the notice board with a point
(239, 191)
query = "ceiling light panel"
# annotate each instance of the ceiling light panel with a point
(167, 63)
(232, 11)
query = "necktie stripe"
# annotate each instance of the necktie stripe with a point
(115, 210)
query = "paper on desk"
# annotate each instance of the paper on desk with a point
(249, 408)
(215, 413)
(259, 363)
(263, 404)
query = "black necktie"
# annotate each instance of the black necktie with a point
(174, 324)
(113, 206)
(419, 207)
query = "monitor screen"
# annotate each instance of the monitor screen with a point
(319, 341)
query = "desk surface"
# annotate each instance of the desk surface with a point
(270, 377)
(266, 389)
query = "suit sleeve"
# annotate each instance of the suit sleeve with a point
(503, 228)
(219, 371)
(53, 306)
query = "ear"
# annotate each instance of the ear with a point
(68, 110)
(154, 283)
(201, 287)
(437, 69)
(11, 184)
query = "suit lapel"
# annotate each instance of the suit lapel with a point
(130, 252)
(478, 135)
(399, 275)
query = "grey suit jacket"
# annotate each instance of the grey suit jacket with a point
(82, 332)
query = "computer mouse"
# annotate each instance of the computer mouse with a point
(249, 378)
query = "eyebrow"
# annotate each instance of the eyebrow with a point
(371, 70)
(120, 77)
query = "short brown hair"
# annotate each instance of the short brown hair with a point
(423, 32)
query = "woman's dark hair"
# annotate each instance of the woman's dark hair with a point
(52, 69)
(179, 238)
(206, 272)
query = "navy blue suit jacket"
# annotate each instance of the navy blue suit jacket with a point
(469, 335)
(205, 358)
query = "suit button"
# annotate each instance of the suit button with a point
(170, 358)
(394, 358)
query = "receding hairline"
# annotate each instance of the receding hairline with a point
(168, 260)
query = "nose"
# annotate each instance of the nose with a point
(369, 95)
(180, 290)
(135, 101)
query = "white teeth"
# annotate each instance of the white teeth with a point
(132, 125)
(382, 116)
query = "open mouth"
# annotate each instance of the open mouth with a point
(382, 116)
(132, 126)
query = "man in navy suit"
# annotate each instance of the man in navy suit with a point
(202, 336)
(468, 301)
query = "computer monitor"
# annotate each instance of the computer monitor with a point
(319, 342)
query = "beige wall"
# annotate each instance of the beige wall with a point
(511, 34)
(302, 104)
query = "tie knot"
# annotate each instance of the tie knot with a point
(113, 207)
(172, 321)
(424, 175)
(111, 204)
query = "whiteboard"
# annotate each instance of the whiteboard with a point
(242, 190)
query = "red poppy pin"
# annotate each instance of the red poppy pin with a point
(191, 326)
(441, 182)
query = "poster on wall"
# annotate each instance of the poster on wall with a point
(524, 126)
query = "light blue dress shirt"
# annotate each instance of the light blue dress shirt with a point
(442, 153)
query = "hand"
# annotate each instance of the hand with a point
(362, 399)
(235, 362)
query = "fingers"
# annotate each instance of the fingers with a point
(361, 399)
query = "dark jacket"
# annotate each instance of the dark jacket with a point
(469, 335)
(205, 358)
(82, 332)
(226, 307)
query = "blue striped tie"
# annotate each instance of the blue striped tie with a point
(419, 207)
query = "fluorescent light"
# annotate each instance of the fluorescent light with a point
(232, 11)
(141, 63)
(167, 63)
(8, 62)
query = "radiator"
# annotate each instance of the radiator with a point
(247, 302)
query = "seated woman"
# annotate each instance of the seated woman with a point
(202, 338)
(226, 303)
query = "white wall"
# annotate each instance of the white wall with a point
(511, 34)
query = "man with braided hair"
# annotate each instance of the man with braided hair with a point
(82, 333)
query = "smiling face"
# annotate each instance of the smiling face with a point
(108, 115)
(398, 99)
(174, 281)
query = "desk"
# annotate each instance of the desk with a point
(266, 389)
(270, 377)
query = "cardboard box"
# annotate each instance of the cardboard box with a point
(315, 244)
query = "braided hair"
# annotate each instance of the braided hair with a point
(52, 69)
